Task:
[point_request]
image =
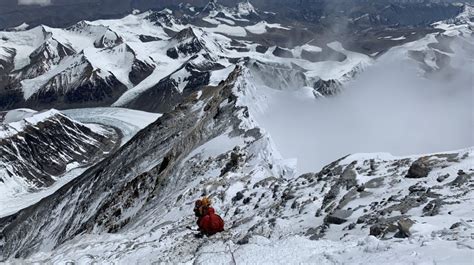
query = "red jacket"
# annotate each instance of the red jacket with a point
(211, 223)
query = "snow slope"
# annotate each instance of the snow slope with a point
(128, 121)
(21, 200)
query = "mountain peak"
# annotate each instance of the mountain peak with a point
(246, 8)
(185, 34)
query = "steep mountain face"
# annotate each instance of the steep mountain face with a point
(39, 149)
(80, 85)
(166, 145)
(61, 73)
(171, 90)
(6, 65)
(51, 52)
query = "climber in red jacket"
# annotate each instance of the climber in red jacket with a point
(209, 222)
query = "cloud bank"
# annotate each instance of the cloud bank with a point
(389, 108)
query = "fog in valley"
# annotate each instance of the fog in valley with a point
(391, 107)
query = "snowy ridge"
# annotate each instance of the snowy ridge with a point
(120, 60)
(435, 51)
(245, 8)
(128, 122)
(237, 13)
(13, 128)
(6, 53)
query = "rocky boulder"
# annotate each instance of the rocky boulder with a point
(338, 217)
(419, 169)
(404, 226)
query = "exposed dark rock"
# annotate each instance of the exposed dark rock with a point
(404, 226)
(238, 196)
(237, 211)
(261, 49)
(105, 42)
(283, 53)
(172, 53)
(165, 95)
(378, 230)
(329, 87)
(316, 233)
(335, 220)
(244, 240)
(419, 169)
(11, 98)
(6, 66)
(146, 38)
(382, 228)
(318, 213)
(455, 225)
(294, 205)
(233, 162)
(347, 180)
(417, 189)
(442, 178)
(247, 200)
(338, 217)
(140, 71)
(432, 208)
(286, 196)
(89, 88)
(461, 179)
(188, 44)
(373, 165)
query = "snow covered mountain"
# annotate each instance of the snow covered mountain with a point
(171, 53)
(232, 92)
(37, 149)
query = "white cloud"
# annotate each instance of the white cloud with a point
(388, 108)
(34, 2)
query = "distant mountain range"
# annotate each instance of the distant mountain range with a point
(153, 60)
(67, 12)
